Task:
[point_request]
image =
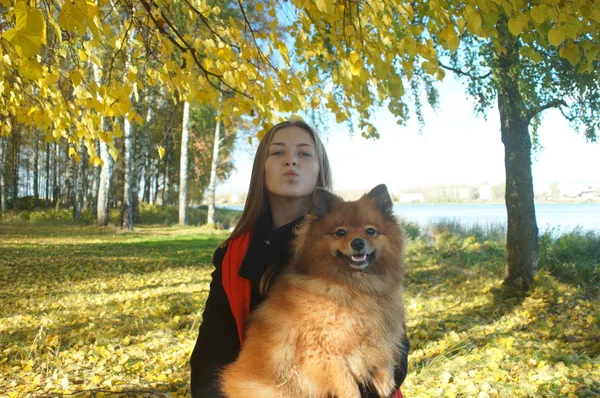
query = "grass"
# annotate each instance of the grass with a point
(101, 312)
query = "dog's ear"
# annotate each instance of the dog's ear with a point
(383, 199)
(322, 202)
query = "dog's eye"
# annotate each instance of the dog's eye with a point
(340, 233)
(371, 232)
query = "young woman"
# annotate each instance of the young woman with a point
(289, 164)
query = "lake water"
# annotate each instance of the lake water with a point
(564, 217)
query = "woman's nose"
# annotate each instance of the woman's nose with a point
(291, 161)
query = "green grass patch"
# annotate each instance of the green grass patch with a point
(148, 215)
(99, 311)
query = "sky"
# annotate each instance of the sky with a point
(455, 147)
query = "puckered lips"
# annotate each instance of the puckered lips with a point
(357, 261)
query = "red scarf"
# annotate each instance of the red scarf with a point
(237, 288)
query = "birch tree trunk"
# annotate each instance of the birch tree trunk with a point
(58, 180)
(95, 184)
(155, 177)
(183, 165)
(79, 182)
(126, 206)
(126, 210)
(102, 213)
(55, 174)
(147, 170)
(47, 174)
(68, 189)
(168, 161)
(212, 185)
(70, 186)
(3, 162)
(15, 170)
(36, 157)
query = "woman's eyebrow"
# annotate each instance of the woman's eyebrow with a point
(298, 145)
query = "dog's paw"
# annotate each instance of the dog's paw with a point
(383, 382)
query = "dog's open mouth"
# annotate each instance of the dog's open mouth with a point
(357, 261)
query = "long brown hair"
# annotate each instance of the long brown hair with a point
(257, 199)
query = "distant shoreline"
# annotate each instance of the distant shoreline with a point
(457, 203)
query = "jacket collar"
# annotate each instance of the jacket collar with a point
(268, 245)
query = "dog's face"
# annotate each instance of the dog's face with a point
(350, 239)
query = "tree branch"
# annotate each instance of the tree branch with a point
(463, 73)
(557, 103)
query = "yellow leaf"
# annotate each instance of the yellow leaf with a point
(572, 27)
(96, 161)
(571, 53)
(473, 19)
(30, 69)
(451, 38)
(71, 17)
(539, 13)
(356, 68)
(161, 152)
(118, 132)
(323, 6)
(114, 153)
(76, 77)
(515, 25)
(556, 36)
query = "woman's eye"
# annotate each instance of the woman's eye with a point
(305, 154)
(371, 232)
(277, 153)
(340, 233)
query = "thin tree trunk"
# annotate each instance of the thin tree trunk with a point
(16, 165)
(147, 170)
(47, 174)
(135, 175)
(156, 177)
(36, 157)
(126, 210)
(95, 183)
(183, 165)
(3, 162)
(212, 185)
(69, 178)
(522, 232)
(102, 210)
(167, 172)
(68, 187)
(56, 191)
(79, 182)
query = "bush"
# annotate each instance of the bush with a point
(412, 230)
(27, 203)
(573, 257)
(169, 215)
(488, 232)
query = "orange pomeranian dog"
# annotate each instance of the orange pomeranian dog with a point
(334, 319)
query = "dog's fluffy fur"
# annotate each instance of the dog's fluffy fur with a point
(335, 318)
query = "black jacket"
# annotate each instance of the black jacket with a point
(218, 342)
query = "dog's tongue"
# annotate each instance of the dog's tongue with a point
(359, 258)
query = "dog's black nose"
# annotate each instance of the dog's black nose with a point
(358, 244)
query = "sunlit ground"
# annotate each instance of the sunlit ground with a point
(101, 312)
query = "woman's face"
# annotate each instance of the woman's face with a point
(291, 168)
